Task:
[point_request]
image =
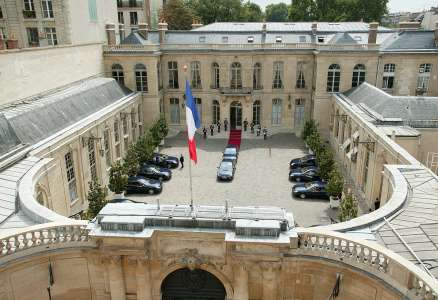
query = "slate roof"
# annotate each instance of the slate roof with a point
(8, 138)
(342, 38)
(411, 40)
(408, 108)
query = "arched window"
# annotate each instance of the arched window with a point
(423, 77)
(141, 78)
(216, 112)
(195, 72)
(257, 77)
(333, 78)
(276, 111)
(236, 76)
(358, 75)
(277, 82)
(215, 75)
(256, 112)
(388, 76)
(117, 73)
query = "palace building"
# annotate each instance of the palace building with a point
(68, 111)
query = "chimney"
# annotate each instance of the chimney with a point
(196, 24)
(314, 28)
(372, 34)
(436, 34)
(409, 26)
(162, 28)
(143, 30)
(111, 34)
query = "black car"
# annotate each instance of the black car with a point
(226, 170)
(141, 185)
(304, 174)
(231, 154)
(155, 172)
(305, 161)
(164, 160)
(314, 189)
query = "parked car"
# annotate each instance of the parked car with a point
(304, 174)
(231, 154)
(141, 185)
(305, 161)
(155, 172)
(314, 189)
(233, 147)
(164, 160)
(226, 170)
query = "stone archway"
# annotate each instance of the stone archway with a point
(196, 284)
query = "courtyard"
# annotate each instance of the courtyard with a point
(261, 177)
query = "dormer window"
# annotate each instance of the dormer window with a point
(224, 39)
(278, 39)
(250, 39)
(202, 39)
(320, 39)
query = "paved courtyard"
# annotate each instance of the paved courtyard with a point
(261, 177)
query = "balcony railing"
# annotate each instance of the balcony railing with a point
(29, 14)
(235, 91)
(131, 4)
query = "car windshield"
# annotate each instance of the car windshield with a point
(306, 169)
(310, 185)
(230, 151)
(226, 166)
(143, 181)
(154, 169)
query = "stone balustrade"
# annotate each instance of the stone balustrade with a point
(41, 238)
(370, 257)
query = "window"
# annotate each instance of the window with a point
(173, 74)
(139, 118)
(276, 112)
(133, 17)
(216, 76)
(71, 178)
(92, 10)
(117, 73)
(125, 126)
(198, 103)
(141, 78)
(250, 39)
(133, 124)
(106, 147)
(236, 76)
(160, 80)
(257, 77)
(92, 159)
(174, 111)
(320, 39)
(388, 76)
(52, 40)
(333, 78)
(132, 3)
(365, 169)
(202, 39)
(358, 75)
(119, 3)
(256, 112)
(278, 75)
(216, 112)
(278, 39)
(301, 83)
(117, 139)
(32, 37)
(224, 39)
(120, 17)
(302, 39)
(195, 69)
(47, 8)
(423, 77)
(28, 5)
(3, 35)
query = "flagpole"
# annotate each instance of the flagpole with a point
(190, 161)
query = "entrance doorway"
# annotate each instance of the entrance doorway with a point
(185, 284)
(236, 115)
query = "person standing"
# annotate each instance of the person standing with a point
(181, 160)
(265, 133)
(204, 131)
(252, 126)
(225, 124)
(218, 126)
(211, 129)
(245, 124)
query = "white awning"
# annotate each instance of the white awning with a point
(346, 143)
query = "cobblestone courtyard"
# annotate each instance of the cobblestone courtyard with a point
(261, 177)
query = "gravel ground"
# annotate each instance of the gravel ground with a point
(261, 177)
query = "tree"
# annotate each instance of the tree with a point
(177, 15)
(277, 12)
(210, 11)
(145, 147)
(117, 178)
(96, 199)
(310, 127)
(130, 163)
(335, 183)
(302, 11)
(348, 208)
(325, 162)
(251, 12)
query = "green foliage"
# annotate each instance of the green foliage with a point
(131, 161)
(324, 158)
(117, 178)
(145, 147)
(96, 199)
(210, 11)
(177, 15)
(309, 128)
(335, 183)
(314, 142)
(251, 12)
(277, 12)
(348, 208)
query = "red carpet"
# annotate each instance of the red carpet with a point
(235, 137)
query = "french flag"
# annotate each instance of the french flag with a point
(193, 121)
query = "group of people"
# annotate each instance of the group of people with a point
(254, 128)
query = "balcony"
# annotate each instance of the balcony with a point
(237, 91)
(29, 14)
(130, 4)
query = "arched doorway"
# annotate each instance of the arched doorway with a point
(197, 284)
(236, 115)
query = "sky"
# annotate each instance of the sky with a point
(393, 5)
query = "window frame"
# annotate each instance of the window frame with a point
(236, 76)
(257, 76)
(359, 75)
(423, 79)
(277, 107)
(333, 78)
(278, 74)
(388, 76)
(256, 112)
(47, 9)
(91, 147)
(195, 75)
(300, 82)
(51, 36)
(71, 176)
(141, 78)
(215, 75)
(118, 74)
(216, 109)
(174, 103)
(172, 68)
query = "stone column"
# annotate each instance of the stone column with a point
(111, 34)
(269, 282)
(241, 283)
(143, 277)
(116, 280)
